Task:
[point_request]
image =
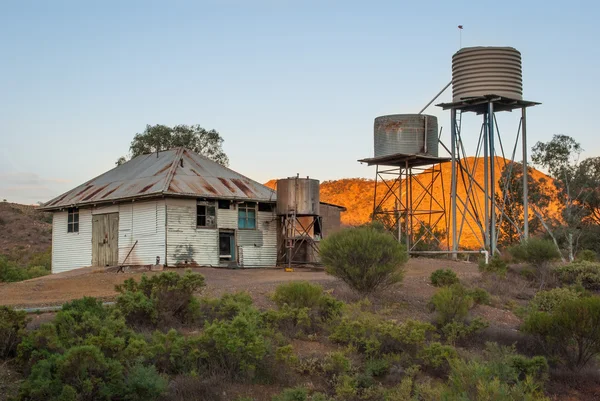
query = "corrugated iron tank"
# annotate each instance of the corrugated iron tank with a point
(298, 194)
(406, 133)
(481, 71)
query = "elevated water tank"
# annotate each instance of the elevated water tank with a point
(406, 133)
(481, 71)
(298, 194)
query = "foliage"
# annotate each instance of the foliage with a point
(11, 271)
(298, 294)
(194, 137)
(443, 278)
(225, 307)
(511, 203)
(144, 383)
(547, 301)
(375, 336)
(587, 255)
(160, 299)
(538, 253)
(496, 265)
(12, 327)
(570, 332)
(365, 258)
(455, 331)
(451, 304)
(300, 394)
(377, 367)
(436, 355)
(480, 296)
(336, 363)
(586, 274)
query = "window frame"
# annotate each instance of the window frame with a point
(207, 206)
(246, 207)
(73, 220)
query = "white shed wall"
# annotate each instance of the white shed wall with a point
(185, 242)
(143, 222)
(227, 218)
(260, 256)
(71, 250)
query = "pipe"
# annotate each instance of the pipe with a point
(55, 308)
(436, 96)
(525, 176)
(453, 181)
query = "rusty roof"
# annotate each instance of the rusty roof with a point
(175, 172)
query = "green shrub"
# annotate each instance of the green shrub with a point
(336, 363)
(375, 336)
(160, 300)
(12, 328)
(143, 383)
(586, 274)
(42, 260)
(299, 394)
(377, 367)
(496, 265)
(547, 301)
(570, 333)
(444, 278)
(452, 303)
(587, 255)
(11, 272)
(436, 355)
(298, 294)
(480, 296)
(235, 348)
(455, 331)
(538, 253)
(225, 307)
(365, 258)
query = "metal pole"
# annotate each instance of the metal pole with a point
(492, 180)
(525, 175)
(453, 182)
(436, 96)
(375, 192)
(486, 181)
(406, 221)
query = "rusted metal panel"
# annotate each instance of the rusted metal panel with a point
(300, 195)
(71, 250)
(177, 172)
(187, 244)
(405, 134)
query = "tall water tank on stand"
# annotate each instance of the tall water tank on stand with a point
(406, 133)
(299, 196)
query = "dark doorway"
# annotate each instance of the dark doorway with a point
(227, 246)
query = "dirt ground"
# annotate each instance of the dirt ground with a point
(59, 288)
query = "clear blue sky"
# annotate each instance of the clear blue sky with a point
(293, 87)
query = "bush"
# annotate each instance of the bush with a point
(444, 278)
(547, 301)
(457, 331)
(299, 394)
(224, 308)
(587, 255)
(452, 304)
(144, 383)
(11, 272)
(436, 355)
(586, 274)
(570, 333)
(496, 265)
(160, 300)
(539, 253)
(365, 258)
(480, 296)
(377, 367)
(12, 328)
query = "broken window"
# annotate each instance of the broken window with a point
(73, 220)
(266, 207)
(205, 215)
(247, 215)
(224, 204)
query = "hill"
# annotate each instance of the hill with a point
(24, 231)
(356, 194)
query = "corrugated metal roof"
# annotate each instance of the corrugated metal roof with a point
(177, 172)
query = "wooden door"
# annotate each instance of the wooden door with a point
(105, 239)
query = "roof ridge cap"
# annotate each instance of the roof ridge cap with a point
(171, 173)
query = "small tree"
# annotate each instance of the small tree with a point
(570, 332)
(366, 258)
(539, 253)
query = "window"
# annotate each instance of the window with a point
(266, 207)
(73, 220)
(224, 204)
(205, 215)
(247, 216)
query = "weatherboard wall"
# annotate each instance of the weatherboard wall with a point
(143, 222)
(258, 248)
(71, 250)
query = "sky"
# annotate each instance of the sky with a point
(292, 86)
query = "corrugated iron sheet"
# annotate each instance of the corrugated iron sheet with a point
(178, 172)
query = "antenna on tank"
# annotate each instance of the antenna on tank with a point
(460, 29)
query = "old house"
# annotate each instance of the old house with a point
(173, 207)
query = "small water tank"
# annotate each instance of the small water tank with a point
(298, 194)
(406, 133)
(481, 71)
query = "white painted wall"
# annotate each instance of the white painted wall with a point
(144, 222)
(265, 255)
(184, 240)
(71, 250)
